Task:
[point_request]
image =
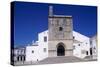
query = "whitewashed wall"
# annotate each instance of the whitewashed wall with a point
(32, 56)
(39, 53)
(43, 45)
(84, 41)
(77, 50)
(80, 37)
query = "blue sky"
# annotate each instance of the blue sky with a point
(32, 18)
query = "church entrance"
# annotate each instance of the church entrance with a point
(60, 50)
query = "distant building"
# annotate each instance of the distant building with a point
(93, 47)
(19, 54)
(81, 45)
(39, 50)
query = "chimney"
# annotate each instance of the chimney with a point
(50, 10)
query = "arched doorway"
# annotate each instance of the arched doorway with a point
(60, 49)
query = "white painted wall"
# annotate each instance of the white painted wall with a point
(39, 53)
(80, 51)
(77, 49)
(43, 44)
(86, 45)
(80, 37)
(32, 56)
(39, 50)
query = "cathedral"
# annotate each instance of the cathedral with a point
(58, 40)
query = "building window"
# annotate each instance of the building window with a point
(45, 39)
(73, 47)
(21, 58)
(60, 28)
(90, 42)
(86, 52)
(44, 49)
(73, 37)
(86, 43)
(32, 51)
(24, 51)
(24, 58)
(78, 44)
(21, 51)
(18, 52)
(18, 58)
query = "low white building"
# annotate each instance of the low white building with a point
(81, 45)
(39, 51)
(19, 54)
(32, 53)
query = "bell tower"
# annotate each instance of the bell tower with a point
(60, 31)
(50, 10)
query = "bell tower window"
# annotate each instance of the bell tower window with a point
(60, 28)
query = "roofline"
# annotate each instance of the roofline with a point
(33, 45)
(81, 34)
(62, 16)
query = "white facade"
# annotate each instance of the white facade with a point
(81, 45)
(39, 51)
(32, 53)
(43, 44)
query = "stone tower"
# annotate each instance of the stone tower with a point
(60, 42)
